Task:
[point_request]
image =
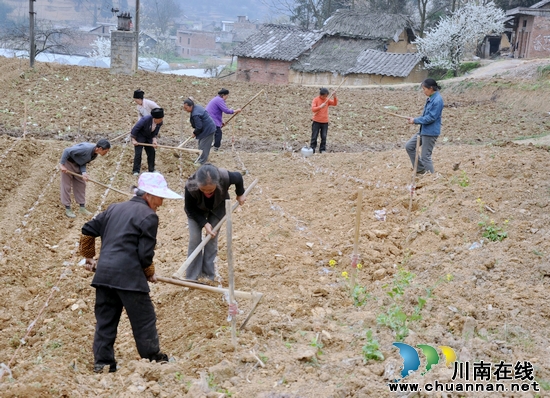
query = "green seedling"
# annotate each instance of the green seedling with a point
(371, 350)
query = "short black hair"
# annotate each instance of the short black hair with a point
(103, 144)
(189, 102)
(223, 91)
(323, 91)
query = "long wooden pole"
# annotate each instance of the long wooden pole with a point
(355, 256)
(172, 147)
(206, 288)
(396, 115)
(99, 183)
(332, 94)
(255, 296)
(230, 271)
(245, 105)
(119, 136)
(186, 141)
(414, 175)
(206, 239)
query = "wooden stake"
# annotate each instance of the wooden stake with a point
(355, 259)
(413, 184)
(206, 239)
(230, 271)
(245, 105)
(99, 183)
(172, 147)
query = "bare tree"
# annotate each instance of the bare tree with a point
(48, 38)
(159, 15)
(309, 14)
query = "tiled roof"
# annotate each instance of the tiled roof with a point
(351, 23)
(334, 54)
(278, 42)
(384, 63)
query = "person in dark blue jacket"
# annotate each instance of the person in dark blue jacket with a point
(430, 127)
(204, 128)
(128, 232)
(146, 131)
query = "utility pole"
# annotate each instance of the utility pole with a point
(31, 32)
(137, 35)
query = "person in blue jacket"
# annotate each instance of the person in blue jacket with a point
(203, 128)
(430, 127)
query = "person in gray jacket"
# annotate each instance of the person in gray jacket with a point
(128, 232)
(74, 160)
(204, 128)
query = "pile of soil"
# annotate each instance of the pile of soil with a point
(308, 335)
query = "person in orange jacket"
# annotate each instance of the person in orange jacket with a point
(319, 107)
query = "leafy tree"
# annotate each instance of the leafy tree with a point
(445, 45)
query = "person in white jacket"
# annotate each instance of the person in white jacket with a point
(144, 105)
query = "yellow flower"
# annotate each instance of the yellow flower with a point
(345, 274)
(449, 277)
(359, 266)
(506, 221)
(332, 263)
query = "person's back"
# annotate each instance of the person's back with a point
(128, 238)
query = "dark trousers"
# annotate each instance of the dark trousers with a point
(317, 128)
(150, 151)
(108, 308)
(218, 137)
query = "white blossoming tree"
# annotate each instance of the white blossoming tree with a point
(101, 48)
(444, 46)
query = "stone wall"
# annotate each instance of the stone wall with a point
(123, 52)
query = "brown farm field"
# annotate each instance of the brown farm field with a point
(420, 283)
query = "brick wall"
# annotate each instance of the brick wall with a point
(262, 70)
(190, 43)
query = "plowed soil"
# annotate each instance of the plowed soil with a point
(307, 336)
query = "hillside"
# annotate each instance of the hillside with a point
(307, 335)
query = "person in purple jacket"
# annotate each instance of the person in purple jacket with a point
(216, 108)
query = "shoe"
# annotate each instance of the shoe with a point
(322, 151)
(216, 149)
(422, 172)
(98, 368)
(69, 213)
(159, 358)
(85, 211)
(135, 173)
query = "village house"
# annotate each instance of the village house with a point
(531, 38)
(266, 56)
(368, 48)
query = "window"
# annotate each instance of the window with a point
(524, 23)
(188, 40)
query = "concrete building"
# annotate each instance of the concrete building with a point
(531, 38)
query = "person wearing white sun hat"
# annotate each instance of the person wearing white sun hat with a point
(128, 232)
